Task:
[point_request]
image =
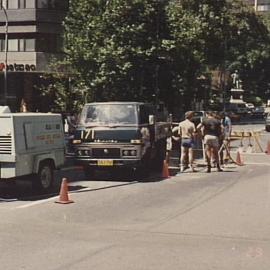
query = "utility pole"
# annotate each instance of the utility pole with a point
(6, 54)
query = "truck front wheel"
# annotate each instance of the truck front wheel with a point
(45, 177)
(160, 155)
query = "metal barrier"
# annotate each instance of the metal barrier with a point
(253, 138)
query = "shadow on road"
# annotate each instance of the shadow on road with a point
(16, 190)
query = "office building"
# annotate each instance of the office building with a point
(32, 30)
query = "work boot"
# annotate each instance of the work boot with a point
(214, 164)
(182, 168)
(193, 168)
(208, 169)
(219, 169)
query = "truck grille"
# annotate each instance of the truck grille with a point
(5, 145)
(106, 153)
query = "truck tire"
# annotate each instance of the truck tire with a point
(160, 155)
(143, 170)
(45, 178)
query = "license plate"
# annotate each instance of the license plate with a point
(106, 162)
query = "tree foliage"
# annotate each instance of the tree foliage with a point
(148, 49)
(117, 50)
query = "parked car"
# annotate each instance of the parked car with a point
(234, 116)
(238, 108)
(198, 116)
(250, 107)
(267, 122)
(259, 111)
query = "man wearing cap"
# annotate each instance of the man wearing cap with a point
(186, 132)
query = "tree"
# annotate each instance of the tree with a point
(148, 50)
(223, 35)
(116, 52)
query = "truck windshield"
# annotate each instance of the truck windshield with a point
(108, 114)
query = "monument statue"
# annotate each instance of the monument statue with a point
(237, 83)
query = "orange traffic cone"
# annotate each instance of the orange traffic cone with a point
(268, 148)
(239, 160)
(165, 170)
(64, 193)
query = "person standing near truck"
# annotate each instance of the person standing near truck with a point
(227, 130)
(212, 130)
(187, 132)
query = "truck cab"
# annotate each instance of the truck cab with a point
(119, 134)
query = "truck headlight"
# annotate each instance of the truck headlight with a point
(125, 153)
(76, 141)
(129, 153)
(138, 141)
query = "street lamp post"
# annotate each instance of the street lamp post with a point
(6, 54)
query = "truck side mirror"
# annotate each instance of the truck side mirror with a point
(151, 119)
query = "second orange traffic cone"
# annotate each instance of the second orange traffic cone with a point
(63, 198)
(239, 160)
(165, 170)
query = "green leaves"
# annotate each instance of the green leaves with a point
(149, 49)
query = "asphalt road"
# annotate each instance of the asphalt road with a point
(188, 221)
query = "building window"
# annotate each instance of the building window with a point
(13, 45)
(30, 45)
(13, 4)
(30, 3)
(21, 3)
(21, 45)
(2, 45)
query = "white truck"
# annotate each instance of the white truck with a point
(32, 145)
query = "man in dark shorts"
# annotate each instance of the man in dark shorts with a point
(186, 132)
(212, 130)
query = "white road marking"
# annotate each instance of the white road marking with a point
(36, 203)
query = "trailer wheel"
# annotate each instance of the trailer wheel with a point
(45, 177)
